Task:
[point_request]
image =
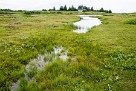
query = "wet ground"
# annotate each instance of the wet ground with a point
(39, 63)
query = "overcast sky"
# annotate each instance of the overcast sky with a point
(115, 5)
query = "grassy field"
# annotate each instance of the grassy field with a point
(103, 59)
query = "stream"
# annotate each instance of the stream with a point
(86, 23)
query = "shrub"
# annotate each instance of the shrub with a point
(131, 21)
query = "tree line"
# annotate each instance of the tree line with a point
(80, 8)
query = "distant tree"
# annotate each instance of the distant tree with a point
(6, 10)
(106, 11)
(101, 10)
(54, 8)
(50, 10)
(72, 8)
(44, 10)
(80, 7)
(86, 8)
(65, 8)
(61, 8)
(92, 9)
(110, 11)
(69, 9)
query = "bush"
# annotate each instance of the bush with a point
(131, 21)
(32, 12)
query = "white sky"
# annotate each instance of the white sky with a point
(115, 5)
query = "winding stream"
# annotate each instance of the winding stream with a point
(86, 23)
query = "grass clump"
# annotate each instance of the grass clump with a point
(32, 86)
(131, 21)
(22, 84)
(32, 71)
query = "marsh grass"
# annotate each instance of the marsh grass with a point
(131, 21)
(104, 58)
(32, 86)
(32, 71)
(22, 85)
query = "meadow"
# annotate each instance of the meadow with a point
(102, 59)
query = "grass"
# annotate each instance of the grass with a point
(104, 57)
(131, 21)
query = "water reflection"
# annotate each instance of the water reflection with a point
(86, 23)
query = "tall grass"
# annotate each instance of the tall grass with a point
(131, 21)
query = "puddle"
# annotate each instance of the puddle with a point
(86, 23)
(37, 64)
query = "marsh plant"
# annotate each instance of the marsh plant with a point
(32, 70)
(101, 59)
(35, 66)
(131, 21)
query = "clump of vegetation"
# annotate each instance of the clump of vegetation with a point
(32, 86)
(131, 21)
(32, 71)
(22, 85)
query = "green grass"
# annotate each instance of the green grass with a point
(131, 21)
(103, 58)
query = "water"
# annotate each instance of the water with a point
(86, 23)
(40, 62)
